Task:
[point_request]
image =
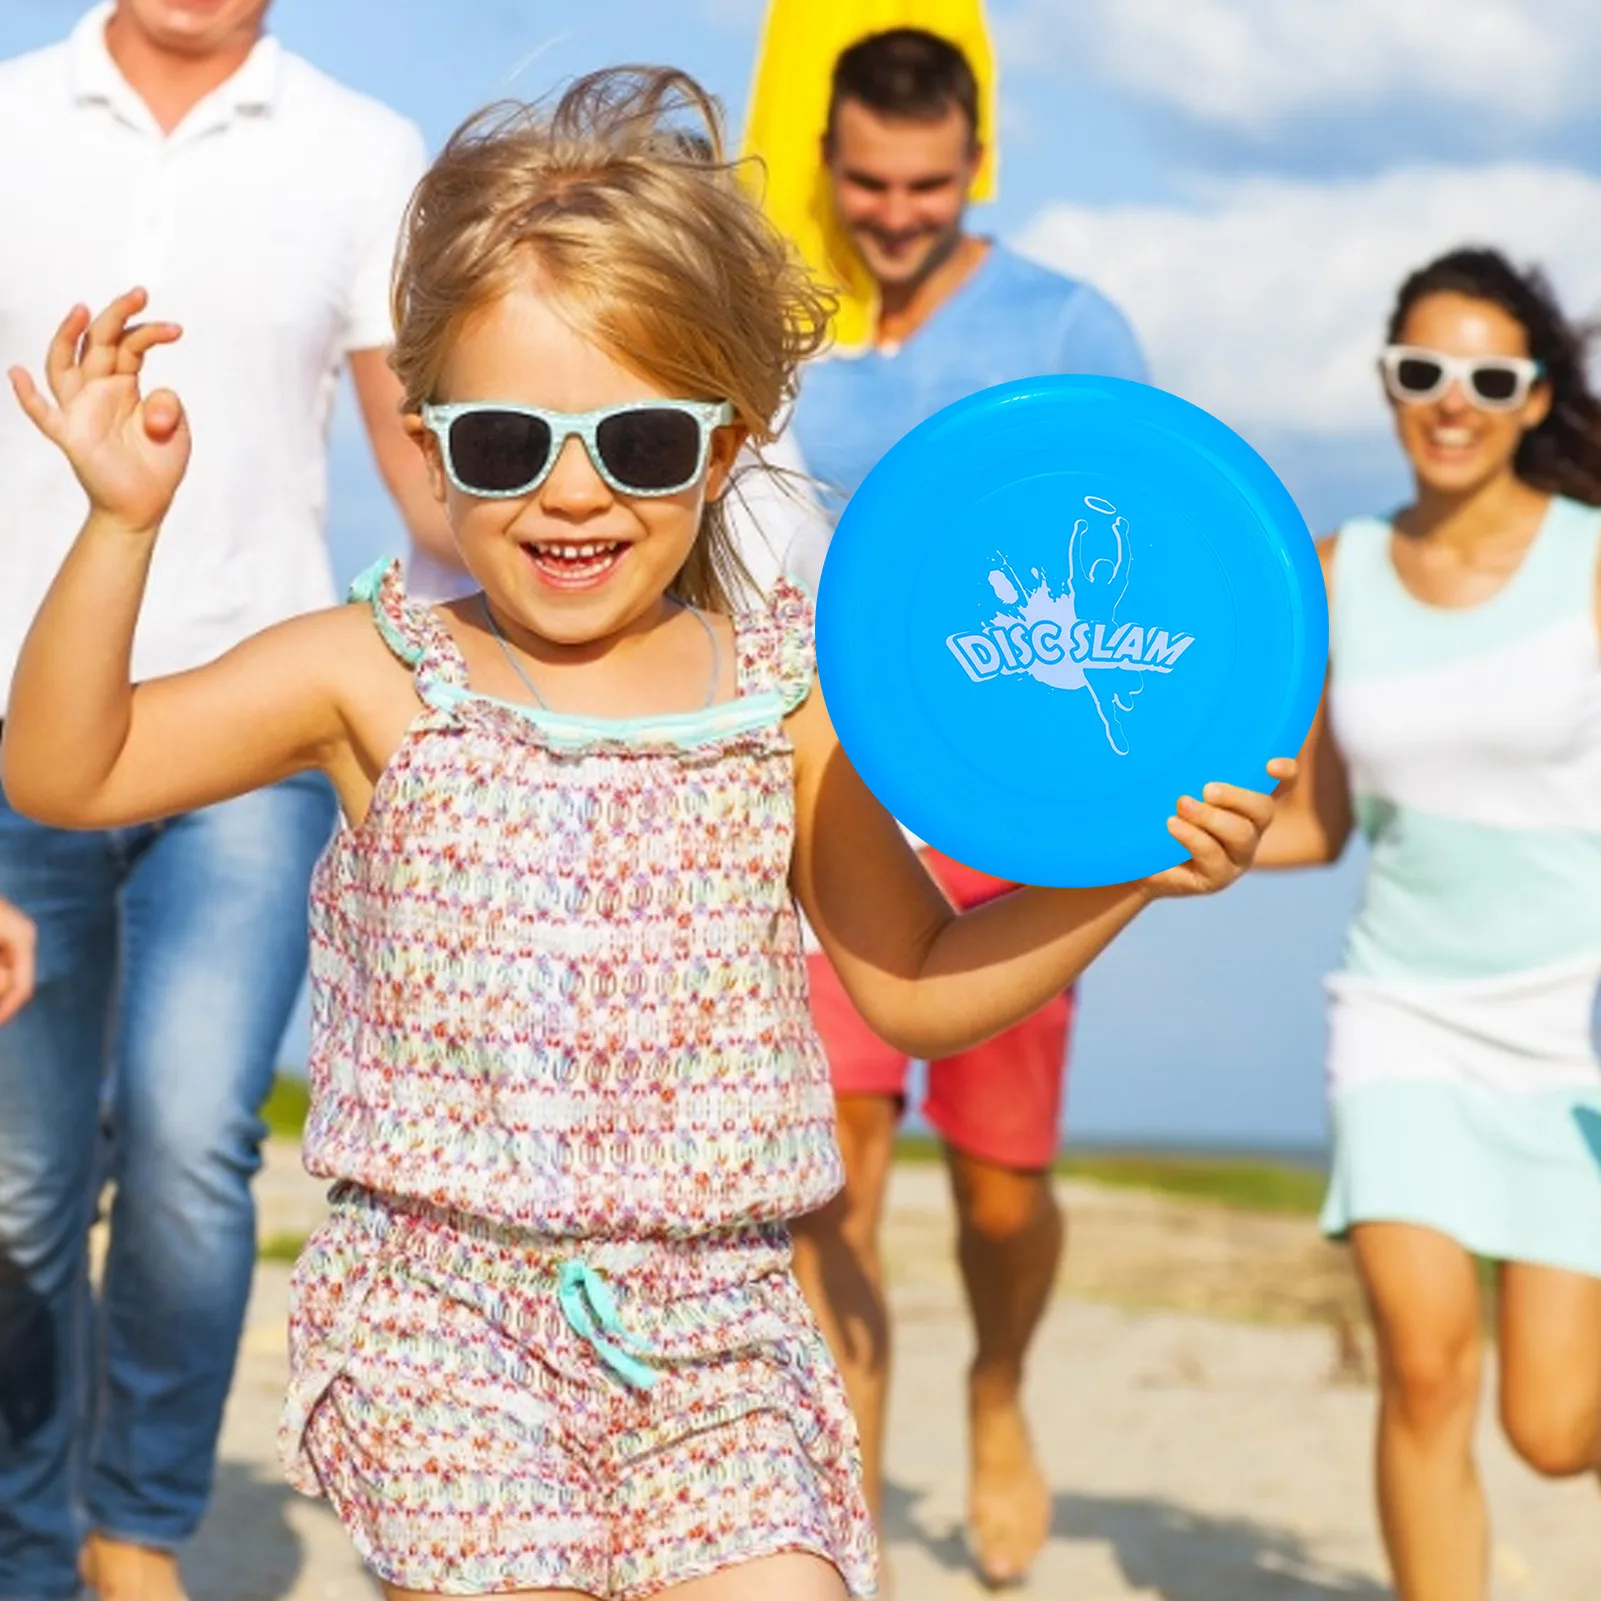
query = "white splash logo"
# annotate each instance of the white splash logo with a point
(1074, 640)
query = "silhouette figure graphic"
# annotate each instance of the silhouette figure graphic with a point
(1098, 583)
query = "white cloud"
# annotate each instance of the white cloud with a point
(1265, 302)
(1251, 64)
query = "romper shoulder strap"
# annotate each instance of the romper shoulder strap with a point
(411, 630)
(777, 653)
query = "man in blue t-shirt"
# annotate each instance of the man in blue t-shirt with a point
(957, 313)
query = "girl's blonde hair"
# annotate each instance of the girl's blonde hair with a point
(620, 198)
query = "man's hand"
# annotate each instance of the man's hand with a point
(16, 960)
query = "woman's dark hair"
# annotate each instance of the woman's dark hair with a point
(1563, 455)
(905, 72)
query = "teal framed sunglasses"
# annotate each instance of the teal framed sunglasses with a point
(498, 450)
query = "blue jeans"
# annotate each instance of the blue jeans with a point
(169, 959)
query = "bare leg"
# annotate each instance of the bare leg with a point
(789, 1576)
(1425, 1302)
(1009, 1243)
(838, 1264)
(1551, 1367)
(119, 1571)
(393, 1592)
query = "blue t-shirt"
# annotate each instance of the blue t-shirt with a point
(1011, 319)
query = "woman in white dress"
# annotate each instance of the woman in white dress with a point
(1461, 732)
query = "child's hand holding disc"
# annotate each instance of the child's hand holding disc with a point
(1221, 831)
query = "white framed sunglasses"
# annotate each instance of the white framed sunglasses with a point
(1414, 375)
(498, 449)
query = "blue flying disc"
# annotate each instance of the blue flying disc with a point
(1055, 607)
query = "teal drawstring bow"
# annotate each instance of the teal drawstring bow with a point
(591, 1313)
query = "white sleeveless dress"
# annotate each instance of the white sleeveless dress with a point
(1464, 1081)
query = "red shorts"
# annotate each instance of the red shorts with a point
(1000, 1101)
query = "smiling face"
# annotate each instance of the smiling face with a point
(574, 562)
(1454, 446)
(900, 186)
(193, 27)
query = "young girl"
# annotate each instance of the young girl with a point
(564, 1077)
(1463, 734)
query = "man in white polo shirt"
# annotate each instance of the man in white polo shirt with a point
(173, 145)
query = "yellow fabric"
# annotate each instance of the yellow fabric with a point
(801, 40)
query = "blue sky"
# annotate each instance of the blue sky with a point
(1249, 178)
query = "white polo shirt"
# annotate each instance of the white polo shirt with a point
(266, 225)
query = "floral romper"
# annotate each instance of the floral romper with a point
(565, 1081)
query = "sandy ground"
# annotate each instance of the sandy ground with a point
(1201, 1401)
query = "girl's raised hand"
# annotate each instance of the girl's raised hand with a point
(129, 451)
(1222, 832)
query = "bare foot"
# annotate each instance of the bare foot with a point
(117, 1571)
(1008, 1500)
